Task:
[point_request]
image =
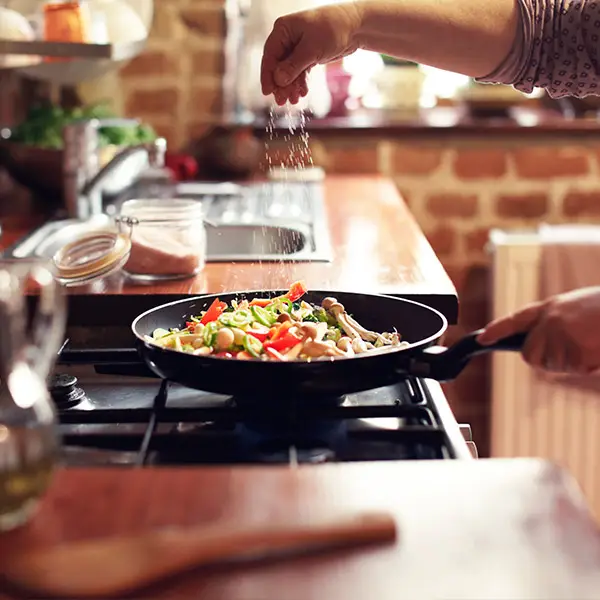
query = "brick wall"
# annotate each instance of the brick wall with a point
(176, 83)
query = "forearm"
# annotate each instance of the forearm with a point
(471, 37)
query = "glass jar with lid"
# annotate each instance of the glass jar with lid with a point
(151, 240)
(168, 239)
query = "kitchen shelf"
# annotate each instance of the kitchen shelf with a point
(73, 51)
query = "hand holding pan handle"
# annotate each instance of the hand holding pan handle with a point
(445, 364)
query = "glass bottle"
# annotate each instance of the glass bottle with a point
(29, 445)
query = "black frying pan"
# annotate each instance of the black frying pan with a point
(418, 324)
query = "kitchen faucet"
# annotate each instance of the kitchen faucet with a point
(84, 178)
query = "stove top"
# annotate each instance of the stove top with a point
(113, 412)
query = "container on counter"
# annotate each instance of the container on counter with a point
(150, 240)
(66, 21)
(168, 240)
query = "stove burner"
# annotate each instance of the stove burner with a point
(282, 405)
(272, 452)
(162, 423)
(64, 391)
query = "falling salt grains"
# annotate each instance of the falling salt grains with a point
(305, 152)
(298, 157)
(297, 154)
(271, 135)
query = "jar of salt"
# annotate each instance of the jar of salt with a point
(168, 240)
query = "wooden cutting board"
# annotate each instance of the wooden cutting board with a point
(511, 529)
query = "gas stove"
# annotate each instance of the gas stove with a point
(113, 411)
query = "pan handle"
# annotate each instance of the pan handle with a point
(445, 364)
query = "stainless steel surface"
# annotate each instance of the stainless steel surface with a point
(465, 429)
(45, 241)
(84, 179)
(468, 435)
(250, 223)
(451, 427)
(473, 449)
(80, 164)
(116, 52)
(236, 242)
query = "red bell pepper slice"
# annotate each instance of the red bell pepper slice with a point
(280, 330)
(297, 290)
(260, 334)
(283, 343)
(262, 302)
(213, 312)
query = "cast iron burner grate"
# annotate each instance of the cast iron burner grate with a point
(169, 424)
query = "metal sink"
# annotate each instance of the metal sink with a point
(247, 226)
(228, 243)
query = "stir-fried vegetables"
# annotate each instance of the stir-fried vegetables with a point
(277, 329)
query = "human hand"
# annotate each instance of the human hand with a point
(301, 40)
(563, 332)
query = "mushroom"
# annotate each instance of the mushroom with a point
(313, 331)
(224, 339)
(238, 336)
(284, 317)
(359, 346)
(345, 345)
(338, 311)
(317, 349)
(354, 329)
(202, 351)
(308, 332)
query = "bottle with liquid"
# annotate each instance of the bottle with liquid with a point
(29, 444)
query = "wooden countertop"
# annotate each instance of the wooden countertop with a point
(474, 530)
(378, 248)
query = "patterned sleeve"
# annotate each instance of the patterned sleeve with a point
(557, 48)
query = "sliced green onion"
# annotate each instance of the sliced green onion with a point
(281, 304)
(209, 333)
(264, 317)
(239, 318)
(252, 345)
